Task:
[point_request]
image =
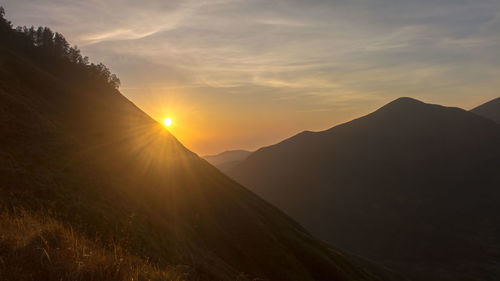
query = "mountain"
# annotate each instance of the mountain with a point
(228, 159)
(413, 185)
(92, 188)
(490, 110)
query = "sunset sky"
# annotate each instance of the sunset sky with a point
(234, 74)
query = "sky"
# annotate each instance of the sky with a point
(235, 74)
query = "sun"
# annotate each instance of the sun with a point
(167, 122)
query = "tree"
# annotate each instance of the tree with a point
(52, 51)
(75, 55)
(5, 25)
(47, 38)
(115, 81)
(61, 46)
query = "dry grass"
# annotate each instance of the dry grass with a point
(41, 248)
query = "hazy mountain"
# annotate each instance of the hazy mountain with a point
(490, 110)
(414, 185)
(228, 159)
(92, 188)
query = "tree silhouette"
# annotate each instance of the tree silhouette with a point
(51, 49)
(5, 25)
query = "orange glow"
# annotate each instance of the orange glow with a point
(209, 126)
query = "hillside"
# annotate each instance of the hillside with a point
(228, 159)
(490, 110)
(413, 185)
(93, 188)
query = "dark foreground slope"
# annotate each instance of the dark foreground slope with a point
(228, 159)
(95, 175)
(490, 110)
(414, 185)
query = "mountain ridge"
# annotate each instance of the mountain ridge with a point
(389, 167)
(226, 160)
(78, 151)
(490, 110)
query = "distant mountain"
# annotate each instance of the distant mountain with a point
(228, 159)
(490, 110)
(92, 188)
(414, 185)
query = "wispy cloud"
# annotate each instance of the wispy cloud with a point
(333, 59)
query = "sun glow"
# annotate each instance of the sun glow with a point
(167, 122)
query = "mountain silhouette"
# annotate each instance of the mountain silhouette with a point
(228, 159)
(490, 110)
(76, 150)
(413, 185)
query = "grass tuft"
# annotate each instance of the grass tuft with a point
(41, 248)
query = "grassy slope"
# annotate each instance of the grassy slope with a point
(40, 247)
(95, 162)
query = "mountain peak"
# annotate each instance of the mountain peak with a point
(407, 100)
(399, 171)
(404, 102)
(406, 106)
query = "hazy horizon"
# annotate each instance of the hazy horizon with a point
(245, 74)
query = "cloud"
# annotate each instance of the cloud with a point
(310, 55)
